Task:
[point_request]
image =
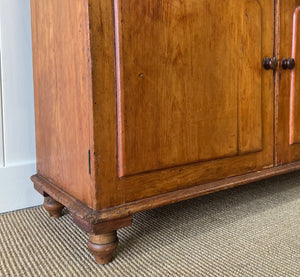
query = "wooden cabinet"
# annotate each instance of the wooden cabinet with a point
(144, 103)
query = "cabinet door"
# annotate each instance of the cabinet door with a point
(288, 82)
(193, 101)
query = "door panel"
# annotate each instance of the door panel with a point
(199, 117)
(288, 82)
(190, 83)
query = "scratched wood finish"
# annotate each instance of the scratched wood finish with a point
(120, 216)
(62, 88)
(189, 81)
(288, 85)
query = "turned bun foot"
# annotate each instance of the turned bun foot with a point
(102, 246)
(53, 207)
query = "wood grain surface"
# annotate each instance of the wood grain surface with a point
(288, 128)
(165, 95)
(190, 81)
(62, 86)
(162, 104)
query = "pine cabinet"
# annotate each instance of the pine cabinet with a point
(140, 104)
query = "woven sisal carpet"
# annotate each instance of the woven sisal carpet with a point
(253, 230)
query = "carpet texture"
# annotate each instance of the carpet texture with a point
(252, 230)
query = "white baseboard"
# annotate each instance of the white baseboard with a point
(16, 189)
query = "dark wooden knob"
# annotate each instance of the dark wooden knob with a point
(288, 63)
(270, 63)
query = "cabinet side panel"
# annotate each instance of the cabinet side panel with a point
(62, 84)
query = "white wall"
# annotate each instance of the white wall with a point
(17, 147)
